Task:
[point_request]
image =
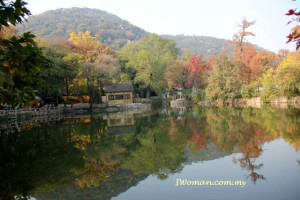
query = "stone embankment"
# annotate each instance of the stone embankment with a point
(256, 102)
(29, 112)
(284, 102)
(24, 116)
(135, 106)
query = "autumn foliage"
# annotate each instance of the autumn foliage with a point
(294, 36)
(186, 75)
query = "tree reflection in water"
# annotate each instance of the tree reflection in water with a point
(75, 158)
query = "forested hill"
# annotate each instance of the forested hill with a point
(201, 44)
(114, 31)
(57, 24)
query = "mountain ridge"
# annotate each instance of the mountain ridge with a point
(59, 23)
(54, 25)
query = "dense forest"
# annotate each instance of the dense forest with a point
(208, 46)
(37, 70)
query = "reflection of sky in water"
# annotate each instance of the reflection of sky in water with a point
(280, 169)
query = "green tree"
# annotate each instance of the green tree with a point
(13, 12)
(58, 81)
(105, 69)
(20, 57)
(124, 78)
(70, 65)
(224, 81)
(268, 82)
(150, 57)
(186, 55)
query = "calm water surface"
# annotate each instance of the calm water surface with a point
(145, 155)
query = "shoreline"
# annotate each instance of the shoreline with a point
(255, 102)
(24, 120)
(29, 112)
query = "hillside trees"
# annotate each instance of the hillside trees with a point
(149, 57)
(55, 25)
(208, 46)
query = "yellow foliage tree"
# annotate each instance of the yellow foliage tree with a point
(288, 75)
(83, 37)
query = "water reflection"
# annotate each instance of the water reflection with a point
(121, 124)
(102, 156)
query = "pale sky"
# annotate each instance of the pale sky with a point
(217, 18)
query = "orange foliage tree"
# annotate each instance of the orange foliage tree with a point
(294, 36)
(239, 39)
(256, 62)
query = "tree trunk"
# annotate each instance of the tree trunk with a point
(57, 98)
(67, 87)
(149, 120)
(92, 96)
(100, 91)
(141, 94)
(1, 143)
(148, 92)
(148, 88)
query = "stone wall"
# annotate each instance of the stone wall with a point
(135, 106)
(284, 102)
(255, 102)
(180, 103)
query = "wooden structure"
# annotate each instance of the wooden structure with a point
(119, 93)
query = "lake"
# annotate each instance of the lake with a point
(181, 153)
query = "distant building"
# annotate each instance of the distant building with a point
(175, 94)
(118, 93)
